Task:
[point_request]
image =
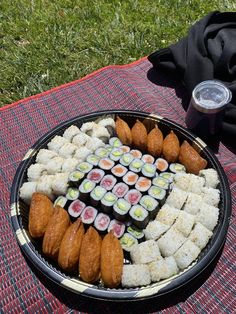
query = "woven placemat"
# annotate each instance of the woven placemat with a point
(135, 87)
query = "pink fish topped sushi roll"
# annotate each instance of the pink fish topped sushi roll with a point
(96, 175)
(88, 215)
(108, 182)
(120, 189)
(75, 209)
(102, 222)
(133, 196)
(117, 227)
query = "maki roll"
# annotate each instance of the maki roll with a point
(84, 167)
(149, 170)
(157, 193)
(96, 195)
(161, 182)
(117, 227)
(119, 170)
(102, 222)
(75, 177)
(176, 167)
(115, 142)
(149, 159)
(108, 182)
(136, 165)
(116, 154)
(150, 204)
(128, 242)
(85, 188)
(75, 209)
(136, 153)
(130, 178)
(121, 209)
(143, 184)
(96, 175)
(60, 201)
(139, 216)
(136, 233)
(125, 148)
(168, 176)
(108, 201)
(101, 152)
(109, 147)
(93, 159)
(72, 194)
(106, 163)
(161, 164)
(133, 196)
(88, 215)
(126, 159)
(120, 189)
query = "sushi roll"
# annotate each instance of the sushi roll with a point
(168, 176)
(128, 242)
(143, 184)
(121, 209)
(150, 204)
(149, 159)
(102, 222)
(176, 167)
(167, 214)
(75, 209)
(96, 195)
(116, 154)
(136, 153)
(163, 269)
(60, 183)
(35, 171)
(136, 165)
(130, 178)
(70, 132)
(95, 175)
(139, 216)
(69, 165)
(108, 182)
(135, 276)
(158, 193)
(26, 191)
(60, 201)
(86, 188)
(106, 163)
(126, 159)
(44, 185)
(56, 143)
(133, 196)
(149, 170)
(161, 164)
(94, 143)
(82, 153)
(125, 148)
(109, 147)
(117, 227)
(155, 229)
(170, 242)
(88, 215)
(120, 189)
(186, 254)
(67, 150)
(161, 182)
(119, 170)
(45, 155)
(93, 159)
(80, 139)
(211, 177)
(115, 142)
(75, 177)
(72, 194)
(54, 165)
(108, 201)
(136, 233)
(145, 252)
(101, 152)
(84, 167)
(177, 198)
(109, 124)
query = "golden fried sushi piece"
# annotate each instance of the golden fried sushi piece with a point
(69, 251)
(41, 210)
(139, 135)
(171, 147)
(155, 142)
(90, 256)
(123, 131)
(190, 158)
(56, 228)
(111, 261)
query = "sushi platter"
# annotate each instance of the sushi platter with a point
(120, 205)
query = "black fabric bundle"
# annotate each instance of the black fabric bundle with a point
(208, 52)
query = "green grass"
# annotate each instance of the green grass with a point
(45, 43)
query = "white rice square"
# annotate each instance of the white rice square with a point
(177, 198)
(181, 181)
(67, 150)
(81, 153)
(69, 164)
(145, 252)
(186, 254)
(55, 165)
(170, 242)
(163, 269)
(211, 177)
(193, 203)
(208, 216)
(196, 184)
(184, 223)
(155, 229)
(167, 214)
(135, 275)
(71, 132)
(45, 155)
(200, 235)
(56, 143)
(211, 196)
(80, 139)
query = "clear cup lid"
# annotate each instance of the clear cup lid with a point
(211, 96)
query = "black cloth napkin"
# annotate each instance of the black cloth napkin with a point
(208, 52)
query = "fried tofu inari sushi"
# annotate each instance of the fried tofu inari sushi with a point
(139, 135)
(90, 256)
(190, 158)
(123, 131)
(69, 251)
(155, 142)
(41, 210)
(171, 147)
(56, 228)
(111, 261)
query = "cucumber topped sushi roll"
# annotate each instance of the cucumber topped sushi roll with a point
(93, 159)
(84, 167)
(121, 209)
(161, 164)
(75, 209)
(102, 222)
(72, 194)
(96, 175)
(117, 227)
(158, 193)
(119, 170)
(130, 178)
(168, 176)
(75, 177)
(116, 154)
(161, 182)
(136, 233)
(85, 188)
(108, 201)
(150, 204)
(96, 195)
(143, 184)
(149, 159)
(149, 170)
(120, 189)
(128, 242)
(106, 163)
(176, 167)
(139, 216)
(126, 159)
(61, 201)
(101, 152)
(115, 142)
(136, 165)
